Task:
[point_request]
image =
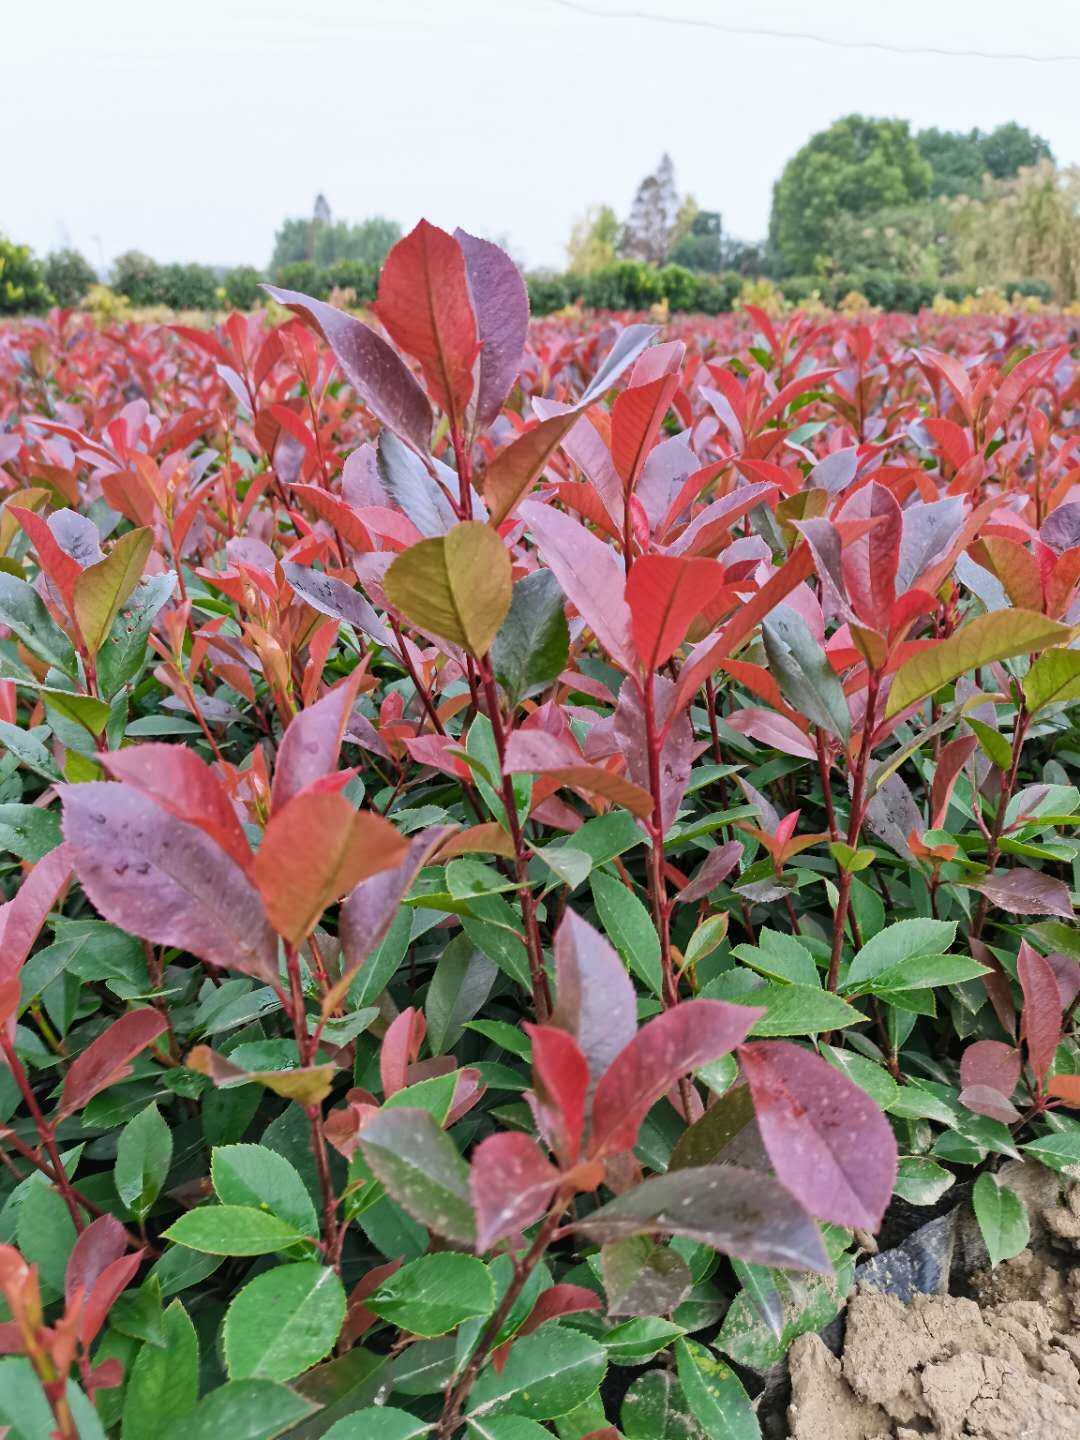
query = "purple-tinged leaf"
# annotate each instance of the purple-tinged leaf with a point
(642, 1277)
(1027, 892)
(511, 1185)
(590, 575)
(676, 753)
(827, 1140)
(501, 304)
(311, 745)
(595, 999)
(338, 600)
(164, 880)
(985, 1100)
(740, 1212)
(422, 1171)
(22, 917)
(560, 1085)
(991, 1063)
(1040, 1022)
(373, 368)
(715, 868)
(668, 1047)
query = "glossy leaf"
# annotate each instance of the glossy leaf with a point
(101, 590)
(283, 1322)
(456, 586)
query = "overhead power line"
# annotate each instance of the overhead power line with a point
(762, 32)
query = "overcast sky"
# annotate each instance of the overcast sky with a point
(189, 130)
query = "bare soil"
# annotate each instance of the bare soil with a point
(1002, 1363)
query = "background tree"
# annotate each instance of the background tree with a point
(22, 283)
(961, 160)
(593, 240)
(1027, 227)
(856, 166)
(68, 276)
(137, 276)
(325, 241)
(652, 226)
(701, 245)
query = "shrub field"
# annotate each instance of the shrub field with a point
(523, 844)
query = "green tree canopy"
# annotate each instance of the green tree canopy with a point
(327, 241)
(961, 160)
(856, 166)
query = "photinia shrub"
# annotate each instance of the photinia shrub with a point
(520, 839)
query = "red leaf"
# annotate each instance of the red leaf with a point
(57, 564)
(511, 1185)
(102, 1242)
(425, 306)
(560, 1083)
(1040, 1022)
(636, 418)
(871, 561)
(951, 761)
(985, 1100)
(776, 731)
(165, 880)
(665, 593)
(595, 998)
(315, 850)
(1065, 1088)
(400, 1048)
(310, 746)
(560, 1300)
(181, 782)
(22, 917)
(828, 1142)
(107, 1059)
(669, 1046)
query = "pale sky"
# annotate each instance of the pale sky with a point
(189, 130)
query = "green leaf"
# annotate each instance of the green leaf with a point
(242, 1410)
(636, 1341)
(992, 743)
(1054, 679)
(23, 610)
(421, 1169)
(164, 1383)
(1002, 1218)
(283, 1322)
(920, 1181)
(1000, 635)
(898, 942)
(629, 927)
(255, 1175)
(655, 1408)
(546, 1374)
(29, 831)
(85, 710)
(921, 972)
(378, 1422)
(143, 1157)
(461, 983)
(799, 1010)
(233, 1230)
(507, 1427)
(715, 1394)
(533, 643)
(28, 748)
(867, 1074)
(125, 651)
(456, 586)
(434, 1294)
(569, 866)
(101, 589)
(801, 668)
(1059, 1152)
(779, 957)
(45, 1233)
